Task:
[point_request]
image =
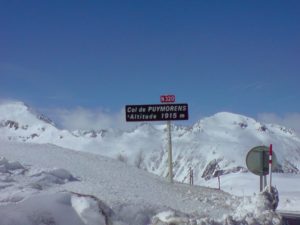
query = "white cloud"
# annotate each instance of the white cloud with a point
(289, 120)
(86, 119)
(7, 100)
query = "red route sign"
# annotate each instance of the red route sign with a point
(167, 98)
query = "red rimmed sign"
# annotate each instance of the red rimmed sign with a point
(167, 98)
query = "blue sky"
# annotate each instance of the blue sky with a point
(98, 56)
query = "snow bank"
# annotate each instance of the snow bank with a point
(91, 210)
(44, 178)
(169, 217)
(28, 198)
(129, 196)
(247, 184)
(19, 182)
(6, 166)
(259, 209)
(40, 209)
(53, 209)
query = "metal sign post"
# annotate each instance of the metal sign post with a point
(259, 162)
(270, 167)
(169, 99)
(167, 111)
(170, 151)
(261, 181)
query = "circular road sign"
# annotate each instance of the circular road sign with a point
(257, 160)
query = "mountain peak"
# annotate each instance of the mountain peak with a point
(229, 116)
(13, 110)
(20, 112)
(225, 119)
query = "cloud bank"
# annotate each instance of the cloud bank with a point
(87, 119)
(289, 120)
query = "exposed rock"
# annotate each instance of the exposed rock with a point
(263, 128)
(11, 124)
(243, 125)
(289, 167)
(211, 168)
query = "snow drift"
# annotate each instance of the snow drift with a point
(58, 186)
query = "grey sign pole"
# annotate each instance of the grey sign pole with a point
(261, 183)
(258, 162)
(170, 151)
(160, 112)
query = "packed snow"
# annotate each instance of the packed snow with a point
(247, 184)
(45, 184)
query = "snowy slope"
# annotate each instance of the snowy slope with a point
(219, 142)
(39, 186)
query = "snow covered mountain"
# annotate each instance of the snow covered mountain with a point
(219, 142)
(48, 184)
